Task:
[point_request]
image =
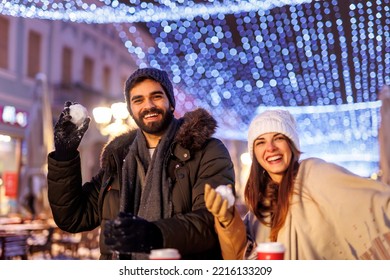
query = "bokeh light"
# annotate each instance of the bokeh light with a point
(325, 61)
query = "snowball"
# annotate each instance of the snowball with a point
(78, 113)
(226, 193)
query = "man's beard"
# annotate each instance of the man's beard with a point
(155, 127)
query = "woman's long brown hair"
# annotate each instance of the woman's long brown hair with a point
(268, 200)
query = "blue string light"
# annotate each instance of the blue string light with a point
(323, 54)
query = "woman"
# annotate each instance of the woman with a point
(318, 210)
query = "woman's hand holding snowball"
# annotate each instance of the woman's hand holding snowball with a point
(70, 128)
(220, 202)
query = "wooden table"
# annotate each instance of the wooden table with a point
(8, 228)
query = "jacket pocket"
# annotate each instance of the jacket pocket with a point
(109, 199)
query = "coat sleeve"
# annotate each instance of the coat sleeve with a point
(357, 208)
(193, 231)
(232, 238)
(74, 206)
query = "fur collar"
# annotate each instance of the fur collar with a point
(197, 127)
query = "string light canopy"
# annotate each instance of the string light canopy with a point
(325, 61)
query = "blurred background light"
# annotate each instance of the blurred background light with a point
(325, 61)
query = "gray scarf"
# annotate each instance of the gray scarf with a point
(146, 186)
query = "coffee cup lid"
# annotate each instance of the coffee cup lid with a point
(166, 253)
(270, 247)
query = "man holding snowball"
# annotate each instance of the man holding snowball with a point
(149, 192)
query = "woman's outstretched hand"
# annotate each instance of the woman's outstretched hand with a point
(218, 206)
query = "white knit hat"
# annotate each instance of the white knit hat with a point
(279, 121)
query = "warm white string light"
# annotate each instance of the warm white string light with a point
(115, 12)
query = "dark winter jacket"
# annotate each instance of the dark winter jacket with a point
(195, 159)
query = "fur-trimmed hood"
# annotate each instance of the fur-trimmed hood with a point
(196, 128)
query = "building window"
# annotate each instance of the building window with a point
(67, 58)
(34, 54)
(88, 71)
(4, 38)
(106, 79)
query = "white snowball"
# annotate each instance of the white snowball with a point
(78, 113)
(226, 193)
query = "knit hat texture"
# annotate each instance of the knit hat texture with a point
(154, 74)
(279, 121)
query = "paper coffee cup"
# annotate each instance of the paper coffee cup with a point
(270, 251)
(164, 254)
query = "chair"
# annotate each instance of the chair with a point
(14, 246)
(43, 245)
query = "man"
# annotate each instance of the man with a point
(149, 192)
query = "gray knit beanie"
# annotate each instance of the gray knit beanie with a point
(280, 121)
(154, 74)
